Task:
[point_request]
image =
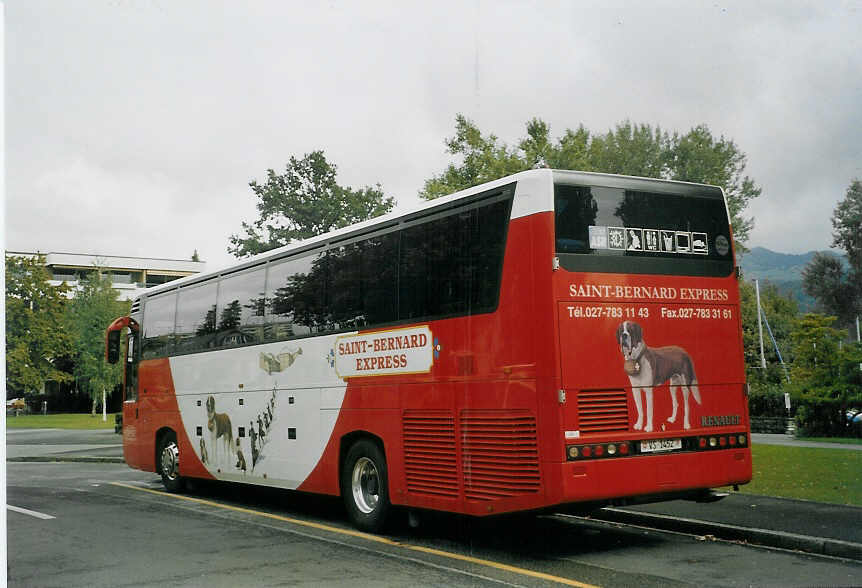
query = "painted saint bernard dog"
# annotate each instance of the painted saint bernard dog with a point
(648, 367)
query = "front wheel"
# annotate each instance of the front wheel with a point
(169, 463)
(365, 486)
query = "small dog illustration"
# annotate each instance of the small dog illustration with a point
(648, 367)
(240, 458)
(255, 453)
(254, 450)
(204, 457)
(261, 431)
(218, 424)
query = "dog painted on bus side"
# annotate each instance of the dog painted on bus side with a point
(648, 367)
(219, 426)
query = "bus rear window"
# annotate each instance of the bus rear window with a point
(606, 229)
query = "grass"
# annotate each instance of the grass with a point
(822, 475)
(844, 440)
(59, 421)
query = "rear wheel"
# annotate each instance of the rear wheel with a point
(169, 463)
(365, 486)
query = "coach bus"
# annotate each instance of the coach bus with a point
(548, 340)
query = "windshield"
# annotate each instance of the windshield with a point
(609, 229)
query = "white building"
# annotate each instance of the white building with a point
(129, 275)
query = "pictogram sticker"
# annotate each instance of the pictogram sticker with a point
(667, 241)
(683, 242)
(634, 239)
(598, 237)
(699, 243)
(651, 240)
(616, 238)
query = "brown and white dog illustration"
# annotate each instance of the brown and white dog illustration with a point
(648, 367)
(218, 424)
(204, 457)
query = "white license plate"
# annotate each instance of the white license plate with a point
(654, 445)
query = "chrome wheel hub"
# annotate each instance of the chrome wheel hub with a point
(365, 485)
(170, 461)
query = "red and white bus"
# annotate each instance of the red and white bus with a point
(552, 339)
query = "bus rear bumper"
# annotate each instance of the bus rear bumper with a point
(653, 478)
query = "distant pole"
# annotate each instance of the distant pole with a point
(760, 325)
(857, 329)
(104, 408)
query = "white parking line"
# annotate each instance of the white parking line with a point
(32, 513)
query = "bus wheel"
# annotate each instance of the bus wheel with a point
(365, 487)
(169, 463)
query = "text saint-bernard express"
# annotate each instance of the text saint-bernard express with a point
(399, 351)
(617, 292)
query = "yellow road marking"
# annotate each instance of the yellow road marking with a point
(367, 537)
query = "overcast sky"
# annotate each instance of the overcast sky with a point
(134, 127)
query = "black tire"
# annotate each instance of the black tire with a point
(168, 463)
(365, 486)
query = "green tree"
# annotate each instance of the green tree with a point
(630, 149)
(781, 312)
(819, 362)
(36, 338)
(836, 287)
(88, 315)
(697, 156)
(847, 222)
(481, 159)
(302, 202)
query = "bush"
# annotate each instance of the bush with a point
(826, 417)
(766, 399)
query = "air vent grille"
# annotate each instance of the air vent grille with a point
(602, 411)
(429, 453)
(500, 456)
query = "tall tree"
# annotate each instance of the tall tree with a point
(847, 222)
(781, 312)
(87, 316)
(823, 365)
(482, 158)
(628, 148)
(697, 156)
(36, 337)
(837, 287)
(302, 202)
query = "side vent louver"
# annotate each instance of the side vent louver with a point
(429, 453)
(602, 411)
(500, 456)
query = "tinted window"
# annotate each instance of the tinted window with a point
(196, 318)
(617, 230)
(240, 308)
(452, 265)
(158, 326)
(379, 270)
(345, 287)
(295, 297)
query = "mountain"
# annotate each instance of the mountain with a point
(782, 269)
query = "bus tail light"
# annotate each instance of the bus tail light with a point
(633, 448)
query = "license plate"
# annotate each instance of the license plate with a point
(654, 445)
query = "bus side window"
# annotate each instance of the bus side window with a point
(132, 366)
(196, 318)
(158, 327)
(240, 309)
